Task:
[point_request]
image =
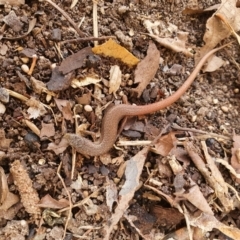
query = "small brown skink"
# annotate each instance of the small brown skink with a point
(115, 114)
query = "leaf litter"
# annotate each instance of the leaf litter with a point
(181, 179)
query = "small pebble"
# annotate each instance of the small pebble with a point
(122, 9)
(4, 95)
(236, 90)
(194, 118)
(225, 109)
(2, 108)
(130, 82)
(215, 101)
(53, 65)
(41, 161)
(88, 108)
(225, 88)
(85, 194)
(25, 68)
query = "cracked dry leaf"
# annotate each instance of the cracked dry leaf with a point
(195, 197)
(216, 180)
(47, 130)
(115, 79)
(35, 109)
(58, 148)
(165, 144)
(113, 49)
(217, 30)
(147, 68)
(170, 37)
(133, 171)
(65, 107)
(48, 202)
(77, 83)
(111, 194)
(214, 64)
(75, 60)
(207, 222)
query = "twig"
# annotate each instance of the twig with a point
(69, 199)
(175, 126)
(95, 22)
(84, 200)
(87, 39)
(80, 33)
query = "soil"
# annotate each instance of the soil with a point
(210, 105)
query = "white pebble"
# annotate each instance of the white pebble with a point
(236, 90)
(25, 68)
(225, 109)
(88, 108)
(2, 108)
(194, 118)
(215, 101)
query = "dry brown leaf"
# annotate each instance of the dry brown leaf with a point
(177, 44)
(166, 216)
(217, 30)
(48, 202)
(112, 49)
(59, 81)
(4, 142)
(165, 144)
(65, 107)
(13, 21)
(133, 171)
(216, 180)
(168, 36)
(39, 86)
(60, 148)
(77, 83)
(207, 222)
(141, 220)
(195, 197)
(115, 79)
(10, 200)
(85, 99)
(31, 25)
(147, 68)
(75, 61)
(214, 64)
(35, 109)
(111, 194)
(47, 130)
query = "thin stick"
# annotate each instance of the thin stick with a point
(175, 126)
(87, 39)
(80, 33)
(95, 22)
(69, 199)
